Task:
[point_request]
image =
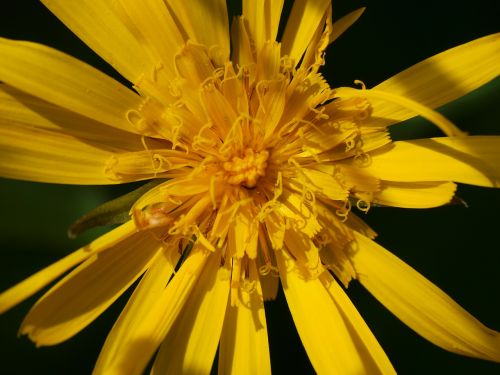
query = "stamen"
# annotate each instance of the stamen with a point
(363, 205)
(268, 267)
(136, 120)
(202, 142)
(343, 212)
(362, 159)
(185, 221)
(247, 170)
(213, 180)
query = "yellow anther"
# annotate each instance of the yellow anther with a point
(246, 170)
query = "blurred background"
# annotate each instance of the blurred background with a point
(455, 247)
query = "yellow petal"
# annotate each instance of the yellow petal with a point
(404, 102)
(414, 194)
(359, 225)
(240, 41)
(270, 286)
(364, 338)
(218, 109)
(63, 80)
(304, 251)
(177, 192)
(356, 178)
(294, 209)
(194, 65)
(275, 226)
(206, 22)
(190, 347)
(471, 160)
(80, 297)
(18, 106)
(244, 348)
(100, 27)
(325, 183)
(334, 335)
(143, 299)
(263, 18)
(273, 105)
(234, 90)
(246, 230)
(43, 142)
(314, 55)
(139, 330)
(420, 304)
(39, 280)
(327, 138)
(441, 78)
(268, 68)
(34, 155)
(342, 24)
(185, 221)
(147, 164)
(336, 260)
(301, 26)
(152, 24)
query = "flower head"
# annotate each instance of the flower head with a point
(261, 165)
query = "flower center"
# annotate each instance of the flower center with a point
(246, 170)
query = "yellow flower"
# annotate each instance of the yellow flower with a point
(264, 162)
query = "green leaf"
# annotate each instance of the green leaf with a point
(115, 211)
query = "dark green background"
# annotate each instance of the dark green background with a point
(455, 247)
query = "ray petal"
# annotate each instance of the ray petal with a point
(39, 280)
(153, 26)
(368, 345)
(142, 300)
(40, 141)
(344, 23)
(80, 297)
(65, 81)
(471, 160)
(301, 26)
(414, 194)
(190, 347)
(98, 24)
(148, 317)
(440, 79)
(206, 22)
(244, 348)
(263, 18)
(420, 304)
(334, 335)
